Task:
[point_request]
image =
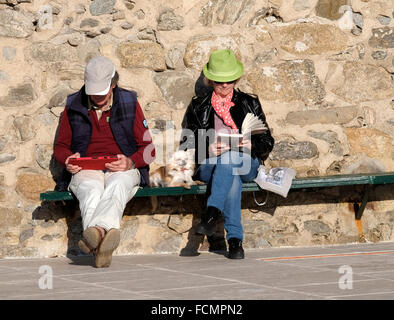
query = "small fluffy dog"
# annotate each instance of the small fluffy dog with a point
(177, 172)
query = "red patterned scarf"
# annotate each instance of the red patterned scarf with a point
(223, 109)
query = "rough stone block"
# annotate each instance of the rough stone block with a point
(364, 83)
(373, 143)
(20, 95)
(310, 38)
(325, 116)
(294, 150)
(168, 21)
(288, 81)
(30, 185)
(10, 217)
(141, 55)
(331, 138)
(223, 11)
(99, 7)
(382, 38)
(199, 48)
(331, 9)
(169, 83)
(26, 127)
(15, 24)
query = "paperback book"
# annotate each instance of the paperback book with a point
(250, 126)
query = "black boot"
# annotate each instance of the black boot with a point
(235, 249)
(207, 225)
(217, 244)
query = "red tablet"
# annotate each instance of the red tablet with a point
(92, 163)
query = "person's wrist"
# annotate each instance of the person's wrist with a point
(132, 165)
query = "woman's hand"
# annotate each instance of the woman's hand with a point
(71, 168)
(122, 164)
(246, 144)
(216, 149)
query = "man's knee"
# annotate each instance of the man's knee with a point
(122, 184)
(91, 185)
(87, 186)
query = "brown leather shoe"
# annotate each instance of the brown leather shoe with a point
(90, 241)
(103, 254)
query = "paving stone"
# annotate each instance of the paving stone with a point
(286, 273)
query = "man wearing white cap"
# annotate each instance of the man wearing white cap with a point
(102, 119)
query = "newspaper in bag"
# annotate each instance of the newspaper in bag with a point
(277, 180)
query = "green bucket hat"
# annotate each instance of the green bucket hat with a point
(223, 66)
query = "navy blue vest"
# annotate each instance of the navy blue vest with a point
(121, 123)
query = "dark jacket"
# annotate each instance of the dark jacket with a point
(200, 115)
(121, 120)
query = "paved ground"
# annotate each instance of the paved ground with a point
(360, 271)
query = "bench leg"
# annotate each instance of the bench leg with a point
(359, 210)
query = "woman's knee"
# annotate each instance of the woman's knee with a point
(231, 158)
(204, 172)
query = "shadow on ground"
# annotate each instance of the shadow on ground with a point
(195, 204)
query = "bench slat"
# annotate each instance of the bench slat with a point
(301, 183)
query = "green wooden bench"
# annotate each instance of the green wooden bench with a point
(311, 182)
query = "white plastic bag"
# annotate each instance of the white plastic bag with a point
(277, 180)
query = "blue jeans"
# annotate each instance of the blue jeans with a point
(226, 173)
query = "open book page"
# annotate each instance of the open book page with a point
(253, 125)
(230, 139)
(250, 126)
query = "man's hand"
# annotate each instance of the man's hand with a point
(216, 149)
(122, 164)
(71, 168)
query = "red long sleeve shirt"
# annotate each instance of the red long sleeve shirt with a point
(102, 142)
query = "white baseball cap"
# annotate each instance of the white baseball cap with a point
(99, 72)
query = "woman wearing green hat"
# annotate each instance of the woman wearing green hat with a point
(222, 168)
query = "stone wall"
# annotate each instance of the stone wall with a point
(323, 71)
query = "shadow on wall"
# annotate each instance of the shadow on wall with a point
(200, 88)
(58, 210)
(59, 174)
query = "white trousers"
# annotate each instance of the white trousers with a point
(103, 196)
